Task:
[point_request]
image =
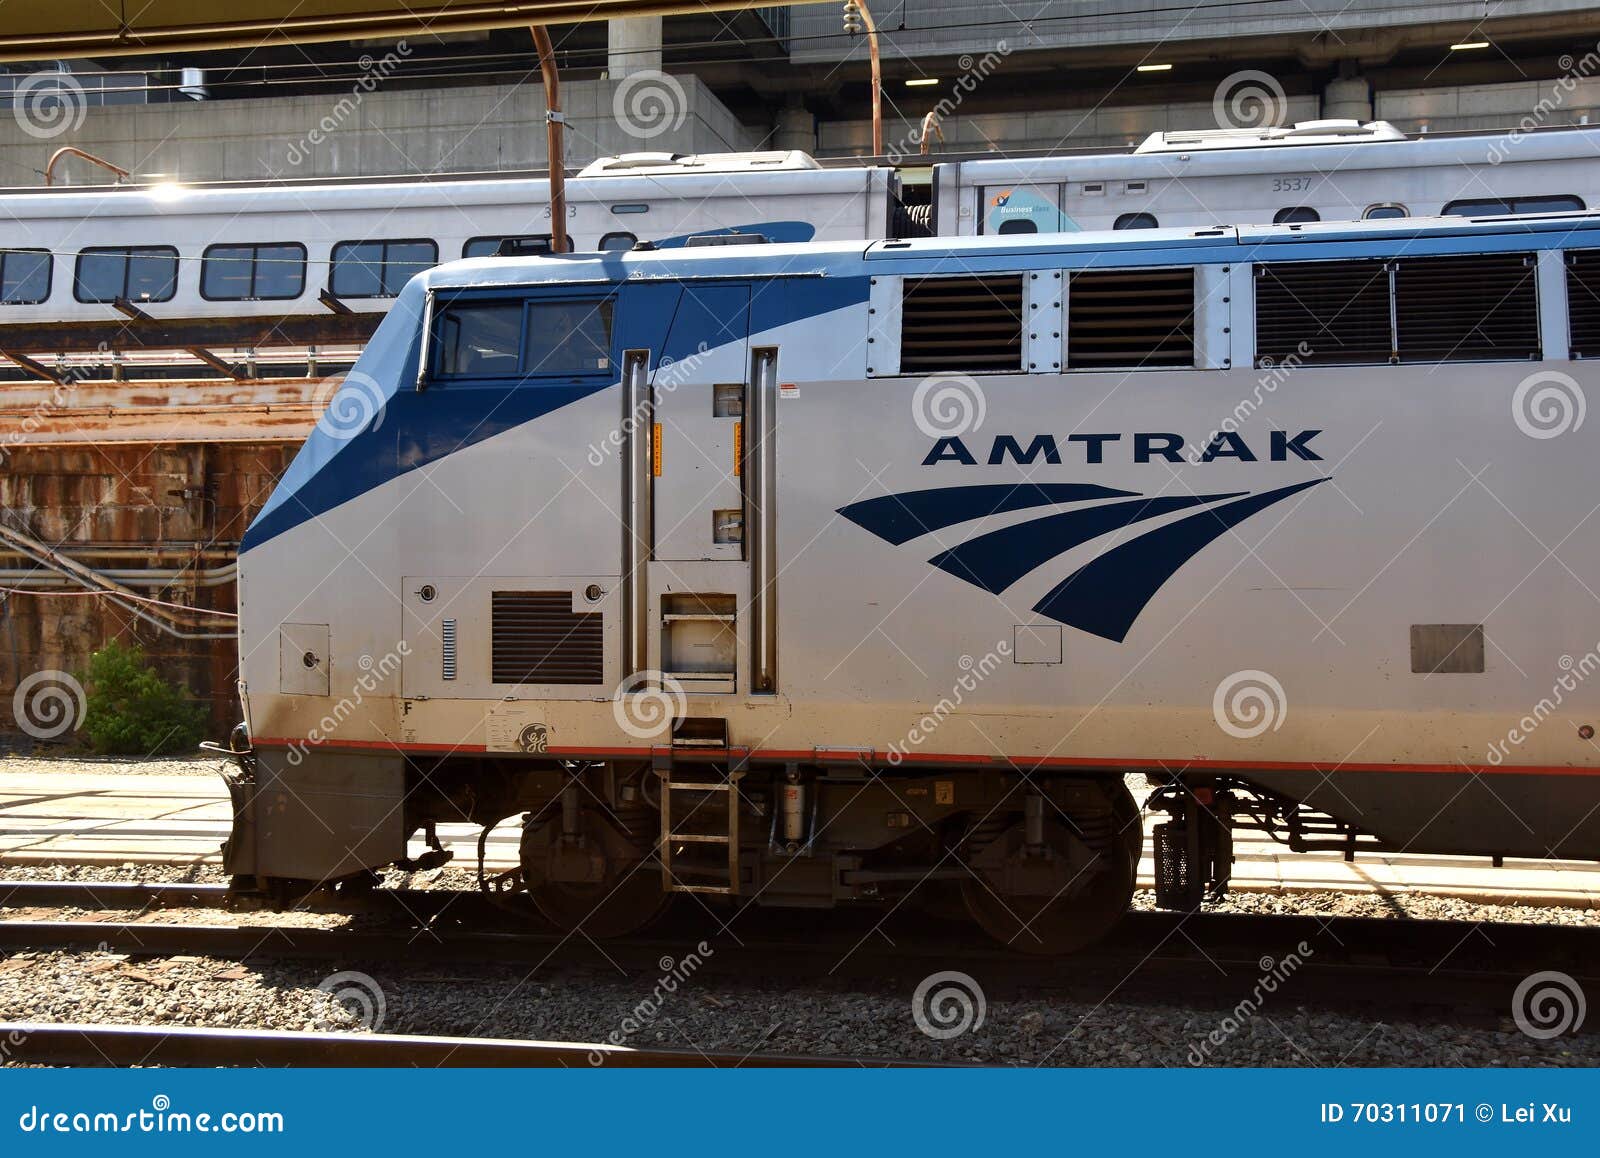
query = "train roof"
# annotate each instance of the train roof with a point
(642, 182)
(1325, 132)
(932, 255)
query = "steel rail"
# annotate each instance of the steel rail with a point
(145, 1045)
(1457, 970)
(1140, 932)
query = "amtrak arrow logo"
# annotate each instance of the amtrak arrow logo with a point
(1103, 597)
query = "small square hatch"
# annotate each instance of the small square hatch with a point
(699, 643)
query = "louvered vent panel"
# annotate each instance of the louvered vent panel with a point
(1130, 318)
(447, 649)
(1323, 313)
(967, 324)
(1478, 306)
(539, 639)
(1583, 302)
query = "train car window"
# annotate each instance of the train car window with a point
(1130, 318)
(479, 340)
(1466, 307)
(617, 242)
(253, 272)
(1385, 212)
(146, 273)
(1295, 215)
(1499, 206)
(24, 276)
(1322, 313)
(1018, 225)
(1557, 204)
(1136, 221)
(968, 324)
(378, 269)
(568, 338)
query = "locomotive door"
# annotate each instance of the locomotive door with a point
(693, 607)
(698, 392)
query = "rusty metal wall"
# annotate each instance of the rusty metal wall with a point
(171, 505)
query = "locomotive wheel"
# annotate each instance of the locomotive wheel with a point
(1068, 921)
(604, 910)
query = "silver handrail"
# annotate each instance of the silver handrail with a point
(638, 425)
(761, 510)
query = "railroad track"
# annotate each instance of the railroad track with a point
(45, 1043)
(1424, 968)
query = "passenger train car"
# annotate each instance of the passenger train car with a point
(233, 250)
(828, 574)
(1315, 171)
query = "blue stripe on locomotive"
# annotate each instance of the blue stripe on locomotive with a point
(413, 429)
(403, 429)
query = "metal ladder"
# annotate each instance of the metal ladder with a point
(700, 785)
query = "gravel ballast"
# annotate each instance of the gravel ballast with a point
(722, 1016)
